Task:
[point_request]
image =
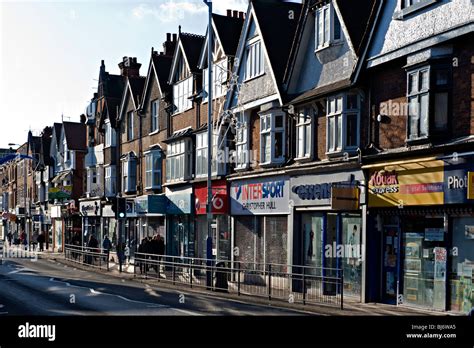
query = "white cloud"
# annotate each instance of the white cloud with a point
(176, 10)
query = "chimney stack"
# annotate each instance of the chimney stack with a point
(129, 67)
(169, 45)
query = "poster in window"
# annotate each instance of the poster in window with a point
(469, 232)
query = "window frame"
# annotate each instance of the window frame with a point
(242, 146)
(270, 132)
(129, 174)
(303, 126)
(177, 157)
(181, 99)
(130, 126)
(431, 91)
(110, 177)
(155, 116)
(249, 58)
(342, 114)
(331, 21)
(152, 155)
(110, 136)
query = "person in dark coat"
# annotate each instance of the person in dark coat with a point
(41, 241)
(92, 245)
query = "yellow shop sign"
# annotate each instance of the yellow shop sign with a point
(406, 184)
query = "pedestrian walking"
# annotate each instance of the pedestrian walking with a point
(41, 241)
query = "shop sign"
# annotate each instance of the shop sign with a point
(151, 204)
(130, 204)
(219, 198)
(56, 211)
(62, 192)
(179, 201)
(405, 185)
(260, 196)
(107, 211)
(344, 198)
(470, 185)
(317, 190)
(90, 208)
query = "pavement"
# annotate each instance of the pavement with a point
(352, 306)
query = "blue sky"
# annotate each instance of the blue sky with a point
(50, 52)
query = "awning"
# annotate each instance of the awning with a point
(61, 177)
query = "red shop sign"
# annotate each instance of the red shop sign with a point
(219, 201)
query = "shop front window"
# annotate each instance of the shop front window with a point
(424, 266)
(462, 265)
(352, 261)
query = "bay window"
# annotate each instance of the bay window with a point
(181, 92)
(154, 116)
(254, 63)
(129, 174)
(342, 129)
(428, 91)
(178, 161)
(304, 133)
(153, 169)
(272, 138)
(241, 141)
(327, 26)
(110, 186)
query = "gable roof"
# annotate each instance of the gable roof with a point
(358, 22)
(113, 86)
(228, 30)
(75, 135)
(134, 87)
(190, 45)
(57, 131)
(279, 38)
(159, 68)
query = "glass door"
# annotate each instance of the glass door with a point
(391, 251)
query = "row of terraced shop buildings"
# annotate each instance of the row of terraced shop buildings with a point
(343, 136)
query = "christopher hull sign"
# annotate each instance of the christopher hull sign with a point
(260, 196)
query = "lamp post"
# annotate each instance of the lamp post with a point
(209, 144)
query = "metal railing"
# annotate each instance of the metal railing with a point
(93, 257)
(293, 284)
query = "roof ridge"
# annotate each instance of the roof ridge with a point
(193, 35)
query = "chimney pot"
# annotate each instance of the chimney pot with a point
(175, 37)
(229, 13)
(168, 36)
(235, 14)
(242, 15)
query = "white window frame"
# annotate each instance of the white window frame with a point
(242, 141)
(92, 174)
(336, 108)
(324, 27)
(109, 134)
(129, 174)
(179, 161)
(416, 108)
(153, 173)
(155, 112)
(182, 90)
(304, 133)
(201, 155)
(110, 181)
(130, 125)
(268, 128)
(254, 65)
(220, 76)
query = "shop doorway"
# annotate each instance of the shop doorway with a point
(391, 263)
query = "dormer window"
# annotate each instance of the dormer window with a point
(181, 93)
(327, 27)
